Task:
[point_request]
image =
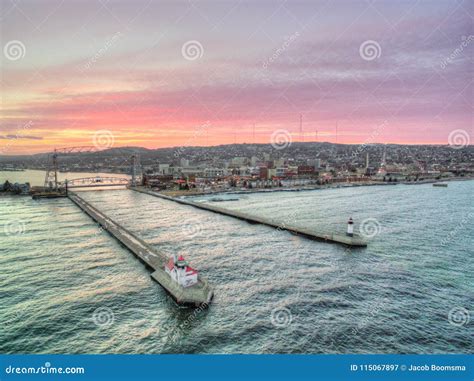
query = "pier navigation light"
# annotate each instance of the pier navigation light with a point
(350, 227)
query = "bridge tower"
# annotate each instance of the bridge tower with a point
(136, 171)
(51, 178)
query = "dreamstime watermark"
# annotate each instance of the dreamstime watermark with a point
(192, 228)
(289, 220)
(370, 227)
(198, 132)
(456, 52)
(177, 330)
(371, 139)
(18, 315)
(459, 316)
(14, 50)
(103, 139)
(45, 369)
(108, 44)
(286, 44)
(467, 218)
(285, 224)
(103, 317)
(370, 50)
(280, 139)
(140, 324)
(15, 227)
(281, 317)
(192, 50)
(373, 312)
(416, 162)
(459, 139)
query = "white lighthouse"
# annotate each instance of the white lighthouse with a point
(350, 227)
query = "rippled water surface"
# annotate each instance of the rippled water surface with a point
(68, 287)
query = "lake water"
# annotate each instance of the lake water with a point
(68, 287)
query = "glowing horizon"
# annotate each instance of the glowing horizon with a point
(168, 74)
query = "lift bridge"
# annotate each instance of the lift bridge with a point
(52, 183)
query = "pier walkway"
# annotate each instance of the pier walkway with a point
(198, 294)
(356, 240)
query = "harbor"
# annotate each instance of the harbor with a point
(353, 241)
(198, 294)
(206, 189)
(66, 267)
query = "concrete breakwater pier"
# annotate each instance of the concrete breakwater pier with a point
(355, 241)
(196, 295)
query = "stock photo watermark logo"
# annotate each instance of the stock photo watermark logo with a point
(15, 227)
(14, 50)
(371, 139)
(370, 50)
(278, 52)
(177, 331)
(198, 132)
(458, 139)
(192, 228)
(103, 317)
(139, 324)
(370, 227)
(281, 317)
(280, 139)
(465, 41)
(17, 316)
(373, 313)
(462, 224)
(459, 316)
(47, 368)
(96, 57)
(192, 50)
(103, 139)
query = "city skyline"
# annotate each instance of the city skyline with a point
(160, 75)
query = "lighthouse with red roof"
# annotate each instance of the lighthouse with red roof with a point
(180, 272)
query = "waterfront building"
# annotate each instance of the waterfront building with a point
(164, 169)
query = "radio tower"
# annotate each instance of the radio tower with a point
(301, 127)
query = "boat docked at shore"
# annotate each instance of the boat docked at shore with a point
(222, 199)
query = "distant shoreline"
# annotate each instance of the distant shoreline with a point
(310, 188)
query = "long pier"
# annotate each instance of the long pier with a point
(198, 294)
(355, 241)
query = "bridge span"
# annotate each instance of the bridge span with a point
(97, 181)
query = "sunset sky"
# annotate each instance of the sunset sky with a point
(153, 73)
